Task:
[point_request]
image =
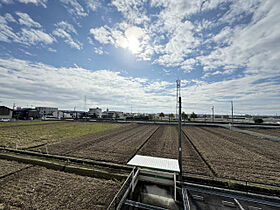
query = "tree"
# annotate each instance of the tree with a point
(184, 116)
(94, 116)
(193, 115)
(171, 115)
(161, 115)
(258, 120)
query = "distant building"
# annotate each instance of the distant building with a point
(95, 111)
(46, 110)
(26, 114)
(5, 112)
(112, 114)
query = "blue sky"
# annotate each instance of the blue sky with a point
(121, 54)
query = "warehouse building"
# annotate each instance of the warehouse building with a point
(43, 111)
(5, 112)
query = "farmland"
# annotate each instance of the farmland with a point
(28, 135)
(271, 132)
(237, 156)
(40, 188)
(207, 151)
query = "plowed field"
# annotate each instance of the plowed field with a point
(41, 188)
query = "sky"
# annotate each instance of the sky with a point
(126, 55)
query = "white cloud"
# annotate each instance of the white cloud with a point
(66, 26)
(98, 50)
(34, 36)
(132, 10)
(74, 8)
(105, 88)
(68, 86)
(6, 32)
(51, 49)
(102, 34)
(25, 19)
(27, 36)
(63, 30)
(7, 1)
(36, 2)
(93, 5)
(133, 38)
(251, 46)
(9, 17)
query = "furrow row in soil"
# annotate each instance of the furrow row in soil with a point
(118, 148)
(267, 148)
(41, 188)
(70, 145)
(231, 160)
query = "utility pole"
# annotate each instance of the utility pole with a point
(180, 137)
(213, 116)
(178, 84)
(232, 112)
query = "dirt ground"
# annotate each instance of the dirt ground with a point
(271, 132)
(236, 156)
(8, 167)
(31, 135)
(208, 151)
(164, 143)
(41, 188)
(119, 148)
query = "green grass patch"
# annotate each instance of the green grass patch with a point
(35, 122)
(26, 136)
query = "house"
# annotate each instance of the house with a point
(46, 110)
(26, 114)
(5, 112)
(95, 112)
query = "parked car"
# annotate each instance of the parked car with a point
(5, 120)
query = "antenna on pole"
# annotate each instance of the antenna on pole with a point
(179, 105)
(232, 112)
(178, 94)
(213, 115)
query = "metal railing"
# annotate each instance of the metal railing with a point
(119, 198)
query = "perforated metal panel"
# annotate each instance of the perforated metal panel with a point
(164, 164)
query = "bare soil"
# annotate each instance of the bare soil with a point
(118, 148)
(41, 188)
(271, 132)
(8, 167)
(233, 158)
(164, 143)
(73, 144)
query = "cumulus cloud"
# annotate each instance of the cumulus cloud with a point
(98, 50)
(25, 19)
(34, 36)
(9, 17)
(250, 46)
(36, 2)
(93, 5)
(74, 8)
(27, 36)
(63, 30)
(133, 38)
(239, 35)
(134, 11)
(105, 88)
(68, 86)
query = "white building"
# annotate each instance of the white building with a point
(46, 110)
(95, 111)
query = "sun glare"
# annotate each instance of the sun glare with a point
(133, 35)
(133, 44)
